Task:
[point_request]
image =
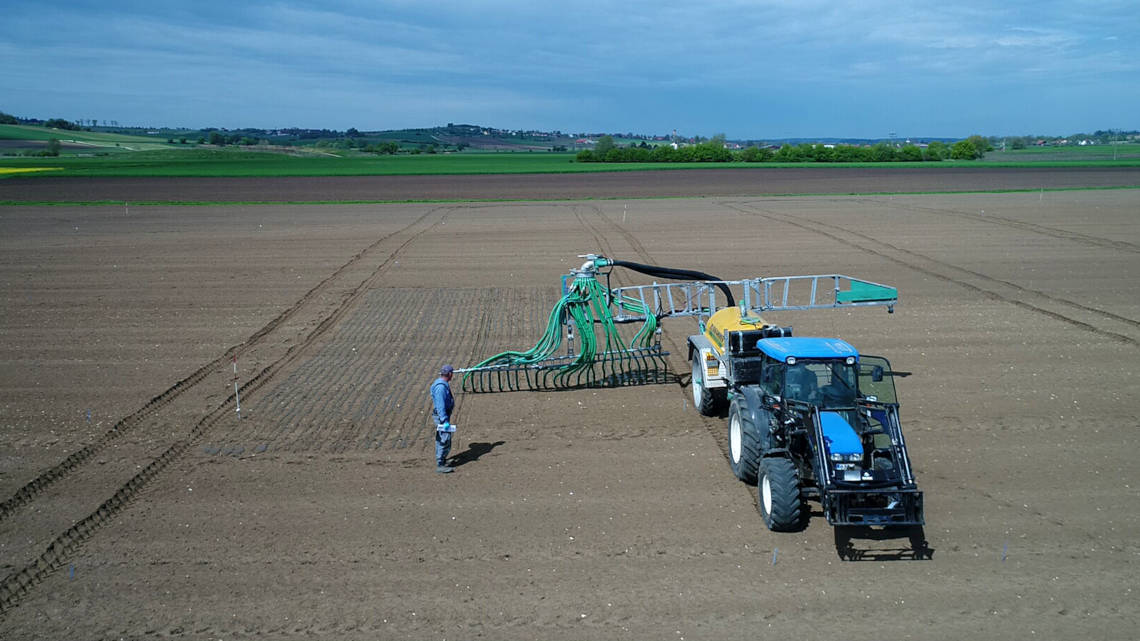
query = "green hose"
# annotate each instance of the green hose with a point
(587, 303)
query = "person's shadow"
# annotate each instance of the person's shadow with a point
(473, 452)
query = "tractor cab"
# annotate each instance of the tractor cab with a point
(820, 379)
(828, 384)
(822, 372)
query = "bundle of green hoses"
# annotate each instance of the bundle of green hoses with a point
(587, 304)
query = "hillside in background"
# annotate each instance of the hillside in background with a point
(57, 136)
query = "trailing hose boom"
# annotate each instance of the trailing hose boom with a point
(592, 313)
(604, 358)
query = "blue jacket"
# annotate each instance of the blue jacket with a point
(442, 401)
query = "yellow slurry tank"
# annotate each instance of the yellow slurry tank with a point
(729, 319)
(727, 330)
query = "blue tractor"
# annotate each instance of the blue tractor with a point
(808, 418)
(812, 418)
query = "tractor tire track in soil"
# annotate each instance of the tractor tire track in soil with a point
(1026, 298)
(325, 405)
(17, 584)
(642, 254)
(715, 426)
(1044, 230)
(713, 182)
(73, 462)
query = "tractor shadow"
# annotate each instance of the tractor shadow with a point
(473, 452)
(861, 543)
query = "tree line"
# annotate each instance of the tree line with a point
(714, 150)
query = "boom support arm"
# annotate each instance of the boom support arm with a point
(758, 295)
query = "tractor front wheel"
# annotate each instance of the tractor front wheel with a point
(780, 501)
(707, 401)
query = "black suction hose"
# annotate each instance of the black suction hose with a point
(676, 274)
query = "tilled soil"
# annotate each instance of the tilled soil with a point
(745, 181)
(599, 513)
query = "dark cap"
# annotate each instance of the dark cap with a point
(445, 370)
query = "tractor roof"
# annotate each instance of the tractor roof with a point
(806, 347)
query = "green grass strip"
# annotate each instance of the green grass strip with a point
(205, 162)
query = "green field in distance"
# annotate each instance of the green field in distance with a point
(220, 162)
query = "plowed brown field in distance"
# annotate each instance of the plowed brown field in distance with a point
(744, 181)
(591, 514)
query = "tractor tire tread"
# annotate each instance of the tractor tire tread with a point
(746, 469)
(788, 509)
(712, 401)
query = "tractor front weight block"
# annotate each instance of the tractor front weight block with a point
(880, 507)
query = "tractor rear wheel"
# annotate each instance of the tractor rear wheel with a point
(743, 445)
(707, 401)
(780, 501)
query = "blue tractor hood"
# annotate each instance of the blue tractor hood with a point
(840, 436)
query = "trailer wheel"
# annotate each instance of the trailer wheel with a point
(708, 402)
(743, 445)
(780, 501)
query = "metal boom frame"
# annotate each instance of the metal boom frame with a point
(758, 295)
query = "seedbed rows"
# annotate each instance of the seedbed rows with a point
(591, 513)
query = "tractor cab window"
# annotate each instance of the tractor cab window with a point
(840, 388)
(828, 384)
(802, 382)
(772, 377)
(876, 380)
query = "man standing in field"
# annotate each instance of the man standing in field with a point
(442, 404)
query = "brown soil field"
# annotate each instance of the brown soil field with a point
(750, 181)
(137, 504)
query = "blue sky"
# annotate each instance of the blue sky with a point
(748, 69)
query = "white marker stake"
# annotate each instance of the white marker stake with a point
(237, 398)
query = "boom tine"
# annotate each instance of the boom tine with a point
(610, 368)
(639, 368)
